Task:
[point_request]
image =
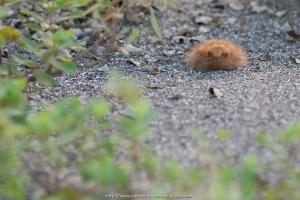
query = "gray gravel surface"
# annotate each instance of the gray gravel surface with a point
(263, 96)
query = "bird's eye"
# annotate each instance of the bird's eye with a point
(225, 54)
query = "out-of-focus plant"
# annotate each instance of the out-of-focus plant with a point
(52, 52)
(12, 128)
(112, 157)
(7, 35)
(51, 49)
(52, 23)
(109, 14)
(111, 153)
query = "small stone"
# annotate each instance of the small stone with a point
(78, 32)
(204, 20)
(286, 27)
(204, 29)
(280, 13)
(214, 92)
(266, 57)
(236, 6)
(179, 39)
(169, 53)
(83, 43)
(86, 38)
(176, 97)
(231, 20)
(257, 8)
(94, 23)
(88, 30)
(195, 39)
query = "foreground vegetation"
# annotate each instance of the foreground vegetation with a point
(111, 157)
(107, 153)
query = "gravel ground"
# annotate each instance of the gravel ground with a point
(263, 96)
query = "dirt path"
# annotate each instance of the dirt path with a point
(264, 96)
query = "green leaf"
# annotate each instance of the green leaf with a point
(2, 42)
(33, 26)
(31, 13)
(248, 176)
(291, 133)
(44, 77)
(20, 59)
(47, 55)
(172, 170)
(99, 107)
(141, 111)
(64, 37)
(72, 15)
(100, 4)
(106, 171)
(169, 2)
(154, 24)
(134, 34)
(127, 90)
(11, 2)
(31, 45)
(104, 3)
(68, 67)
(4, 10)
(263, 139)
(11, 92)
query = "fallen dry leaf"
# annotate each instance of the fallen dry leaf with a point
(291, 35)
(218, 21)
(134, 62)
(153, 71)
(152, 86)
(266, 57)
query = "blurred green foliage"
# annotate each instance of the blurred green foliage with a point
(112, 157)
(52, 22)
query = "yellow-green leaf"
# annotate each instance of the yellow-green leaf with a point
(9, 33)
(154, 24)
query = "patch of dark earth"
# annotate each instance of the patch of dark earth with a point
(262, 96)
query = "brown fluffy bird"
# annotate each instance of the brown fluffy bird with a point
(216, 54)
